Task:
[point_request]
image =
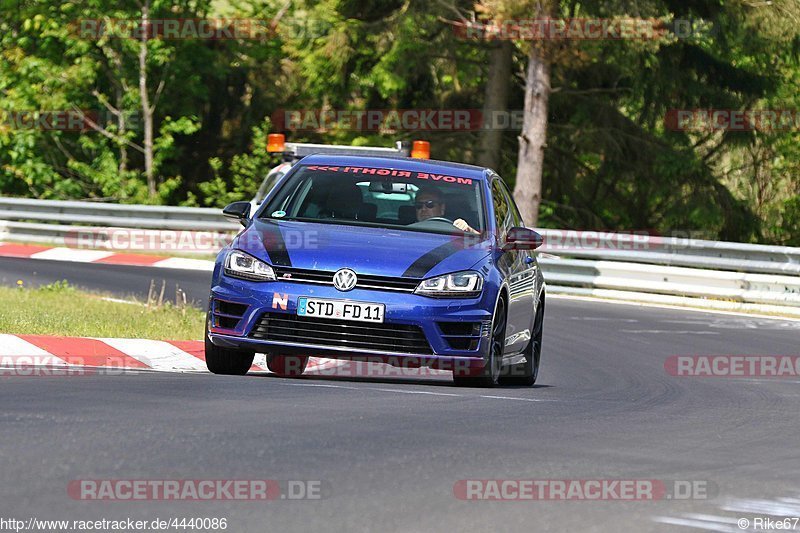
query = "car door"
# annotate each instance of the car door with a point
(533, 274)
(518, 268)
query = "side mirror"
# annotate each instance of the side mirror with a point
(238, 211)
(522, 239)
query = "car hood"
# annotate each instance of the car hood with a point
(367, 250)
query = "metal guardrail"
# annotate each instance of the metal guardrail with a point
(647, 265)
(767, 289)
(670, 251)
(115, 215)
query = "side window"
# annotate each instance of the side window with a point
(502, 209)
(267, 185)
(516, 218)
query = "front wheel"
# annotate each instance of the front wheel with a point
(226, 361)
(287, 366)
(489, 375)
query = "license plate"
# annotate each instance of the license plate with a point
(340, 309)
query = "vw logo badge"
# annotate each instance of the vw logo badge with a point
(344, 279)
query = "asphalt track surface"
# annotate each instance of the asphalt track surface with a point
(119, 280)
(389, 451)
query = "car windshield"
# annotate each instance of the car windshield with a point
(380, 197)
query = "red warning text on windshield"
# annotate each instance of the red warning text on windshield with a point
(430, 176)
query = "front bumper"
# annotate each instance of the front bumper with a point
(251, 300)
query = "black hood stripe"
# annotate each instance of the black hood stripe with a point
(275, 245)
(427, 261)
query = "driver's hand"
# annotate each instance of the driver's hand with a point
(461, 224)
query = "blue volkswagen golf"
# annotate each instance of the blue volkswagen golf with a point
(404, 261)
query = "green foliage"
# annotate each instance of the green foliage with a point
(611, 162)
(789, 229)
(241, 178)
(61, 287)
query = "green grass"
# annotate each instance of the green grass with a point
(59, 309)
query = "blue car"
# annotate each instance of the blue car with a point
(409, 262)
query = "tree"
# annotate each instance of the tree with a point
(533, 137)
(148, 109)
(597, 149)
(497, 90)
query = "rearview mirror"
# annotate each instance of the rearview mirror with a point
(387, 187)
(522, 239)
(238, 211)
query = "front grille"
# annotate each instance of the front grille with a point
(365, 281)
(400, 338)
(302, 275)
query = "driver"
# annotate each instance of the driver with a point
(429, 204)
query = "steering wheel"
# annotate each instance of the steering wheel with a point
(437, 219)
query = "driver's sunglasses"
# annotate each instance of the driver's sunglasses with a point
(428, 204)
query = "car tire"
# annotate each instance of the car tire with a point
(525, 374)
(489, 374)
(226, 361)
(287, 366)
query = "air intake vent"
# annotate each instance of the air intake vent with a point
(462, 335)
(226, 315)
(397, 338)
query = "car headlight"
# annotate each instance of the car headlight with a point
(456, 285)
(245, 266)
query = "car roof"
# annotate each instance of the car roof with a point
(450, 168)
